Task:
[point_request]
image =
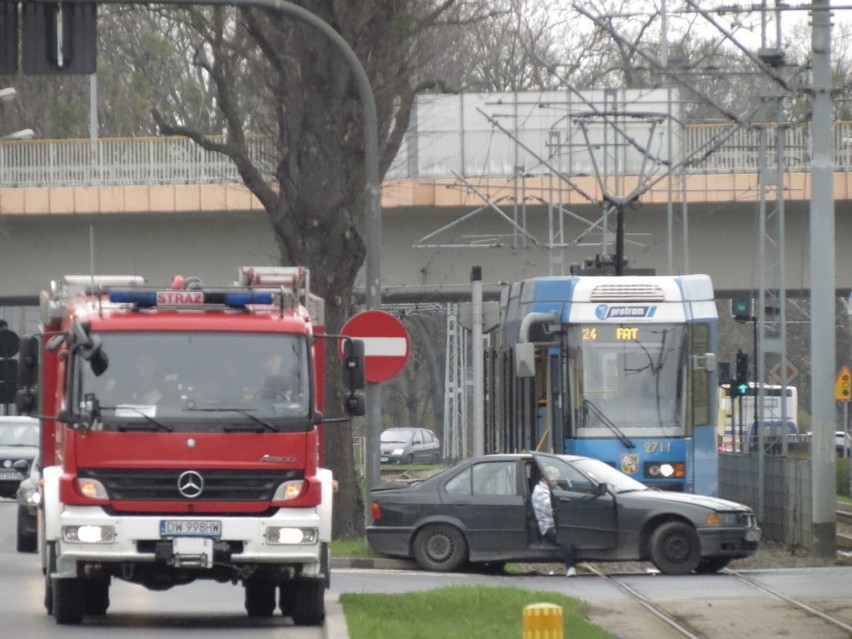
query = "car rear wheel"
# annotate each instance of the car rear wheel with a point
(675, 548)
(440, 547)
(26, 541)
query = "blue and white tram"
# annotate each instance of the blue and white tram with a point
(620, 368)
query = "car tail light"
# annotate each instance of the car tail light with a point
(375, 511)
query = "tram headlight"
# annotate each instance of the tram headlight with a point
(665, 470)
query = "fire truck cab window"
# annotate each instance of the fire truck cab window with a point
(230, 377)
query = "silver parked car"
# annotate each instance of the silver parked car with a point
(480, 510)
(18, 441)
(410, 446)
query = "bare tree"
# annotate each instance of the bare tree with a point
(275, 76)
(415, 397)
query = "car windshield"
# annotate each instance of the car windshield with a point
(606, 474)
(18, 434)
(192, 381)
(397, 436)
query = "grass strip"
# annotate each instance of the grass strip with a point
(463, 612)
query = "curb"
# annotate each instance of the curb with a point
(372, 562)
(334, 626)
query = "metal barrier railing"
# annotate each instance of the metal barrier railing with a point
(176, 160)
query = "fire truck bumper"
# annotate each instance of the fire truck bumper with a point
(91, 536)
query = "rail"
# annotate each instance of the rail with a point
(425, 155)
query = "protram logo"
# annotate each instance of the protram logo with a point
(605, 311)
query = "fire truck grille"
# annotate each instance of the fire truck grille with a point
(190, 485)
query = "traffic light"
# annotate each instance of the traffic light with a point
(741, 381)
(59, 39)
(742, 308)
(8, 37)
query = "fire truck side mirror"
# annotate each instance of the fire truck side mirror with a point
(356, 405)
(25, 401)
(28, 362)
(99, 363)
(89, 347)
(353, 364)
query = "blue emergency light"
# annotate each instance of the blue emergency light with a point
(139, 298)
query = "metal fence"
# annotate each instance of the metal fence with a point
(787, 485)
(425, 154)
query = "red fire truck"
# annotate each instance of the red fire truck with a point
(181, 438)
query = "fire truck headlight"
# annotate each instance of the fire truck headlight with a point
(91, 488)
(288, 490)
(280, 536)
(88, 534)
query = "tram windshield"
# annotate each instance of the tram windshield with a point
(629, 379)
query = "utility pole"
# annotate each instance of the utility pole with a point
(823, 302)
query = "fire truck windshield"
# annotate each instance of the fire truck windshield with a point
(197, 381)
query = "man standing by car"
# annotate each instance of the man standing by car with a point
(543, 510)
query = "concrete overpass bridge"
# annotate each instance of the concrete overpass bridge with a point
(509, 183)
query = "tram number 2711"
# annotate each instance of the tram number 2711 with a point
(658, 447)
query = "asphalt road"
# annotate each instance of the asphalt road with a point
(715, 605)
(216, 610)
(711, 606)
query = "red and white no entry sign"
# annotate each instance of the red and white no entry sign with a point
(386, 343)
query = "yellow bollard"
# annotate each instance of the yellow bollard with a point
(543, 621)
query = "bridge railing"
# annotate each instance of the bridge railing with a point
(431, 154)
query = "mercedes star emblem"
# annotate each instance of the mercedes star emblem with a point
(190, 484)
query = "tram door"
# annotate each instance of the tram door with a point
(550, 410)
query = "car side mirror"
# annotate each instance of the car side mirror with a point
(22, 466)
(600, 490)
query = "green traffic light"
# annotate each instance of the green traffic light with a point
(742, 389)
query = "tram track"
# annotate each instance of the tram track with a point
(713, 618)
(653, 608)
(808, 608)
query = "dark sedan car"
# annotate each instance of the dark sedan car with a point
(18, 441)
(29, 498)
(480, 511)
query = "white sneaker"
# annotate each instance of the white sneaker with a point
(571, 572)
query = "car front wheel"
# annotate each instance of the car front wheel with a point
(440, 547)
(710, 565)
(675, 548)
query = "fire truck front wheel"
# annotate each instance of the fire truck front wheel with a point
(306, 601)
(260, 596)
(96, 597)
(49, 568)
(67, 601)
